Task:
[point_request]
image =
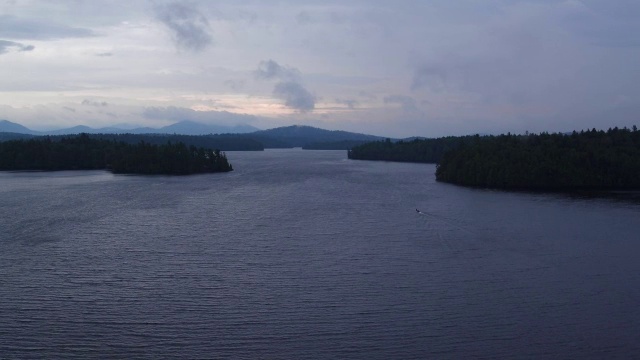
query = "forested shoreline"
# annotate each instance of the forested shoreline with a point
(224, 142)
(586, 160)
(334, 145)
(83, 152)
(418, 150)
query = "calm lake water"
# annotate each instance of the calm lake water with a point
(306, 255)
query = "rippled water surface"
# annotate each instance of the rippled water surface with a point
(304, 255)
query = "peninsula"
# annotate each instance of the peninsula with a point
(86, 153)
(586, 160)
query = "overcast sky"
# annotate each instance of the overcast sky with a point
(391, 68)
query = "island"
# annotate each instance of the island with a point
(83, 152)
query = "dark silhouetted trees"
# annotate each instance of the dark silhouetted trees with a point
(419, 150)
(586, 160)
(86, 153)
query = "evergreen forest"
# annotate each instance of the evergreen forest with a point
(418, 150)
(224, 142)
(86, 153)
(586, 160)
(334, 145)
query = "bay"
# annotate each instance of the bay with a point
(304, 255)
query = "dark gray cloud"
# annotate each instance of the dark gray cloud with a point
(16, 28)
(367, 95)
(5, 46)
(304, 17)
(189, 27)
(289, 88)
(94, 103)
(269, 69)
(430, 77)
(406, 102)
(295, 96)
(234, 84)
(350, 103)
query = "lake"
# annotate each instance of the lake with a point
(305, 255)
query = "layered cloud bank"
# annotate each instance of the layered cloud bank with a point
(404, 68)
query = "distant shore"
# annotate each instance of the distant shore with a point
(589, 160)
(85, 153)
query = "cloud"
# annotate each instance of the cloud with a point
(105, 54)
(17, 28)
(289, 88)
(5, 46)
(235, 85)
(497, 65)
(604, 23)
(406, 102)
(190, 28)
(304, 17)
(94, 103)
(269, 69)
(367, 95)
(350, 103)
(295, 96)
(431, 77)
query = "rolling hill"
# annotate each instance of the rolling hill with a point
(303, 136)
(182, 128)
(245, 136)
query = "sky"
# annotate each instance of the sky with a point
(391, 68)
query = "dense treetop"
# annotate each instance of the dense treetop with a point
(85, 153)
(418, 150)
(334, 145)
(6, 136)
(586, 160)
(225, 142)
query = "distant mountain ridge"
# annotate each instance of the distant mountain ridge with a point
(282, 137)
(183, 128)
(11, 127)
(194, 128)
(302, 135)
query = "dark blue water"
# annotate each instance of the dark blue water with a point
(305, 255)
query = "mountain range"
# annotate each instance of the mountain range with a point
(183, 127)
(281, 137)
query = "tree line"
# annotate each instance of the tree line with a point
(334, 145)
(586, 160)
(83, 152)
(417, 150)
(225, 142)
(592, 159)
